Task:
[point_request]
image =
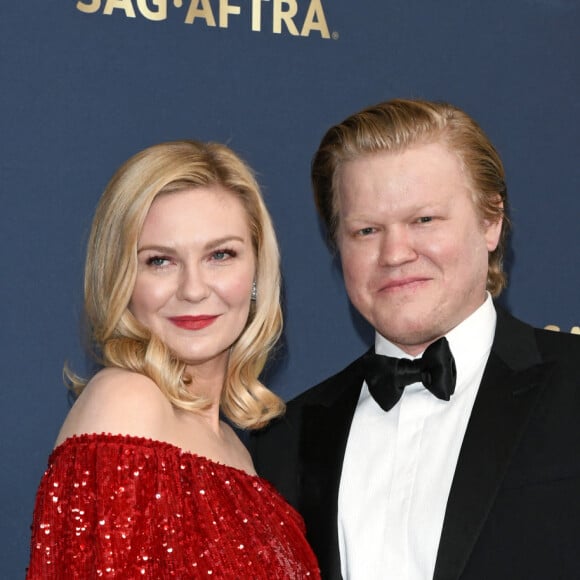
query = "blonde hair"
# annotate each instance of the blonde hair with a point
(119, 340)
(396, 125)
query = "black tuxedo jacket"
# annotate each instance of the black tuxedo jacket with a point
(514, 507)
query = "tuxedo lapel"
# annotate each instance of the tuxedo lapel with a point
(510, 387)
(324, 434)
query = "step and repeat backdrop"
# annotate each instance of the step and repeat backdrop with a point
(85, 84)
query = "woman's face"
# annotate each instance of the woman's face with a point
(196, 266)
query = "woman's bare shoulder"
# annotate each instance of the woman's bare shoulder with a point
(118, 401)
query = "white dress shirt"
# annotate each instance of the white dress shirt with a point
(399, 465)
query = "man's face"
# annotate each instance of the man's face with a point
(414, 250)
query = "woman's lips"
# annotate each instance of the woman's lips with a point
(193, 322)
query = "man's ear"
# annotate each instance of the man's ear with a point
(493, 227)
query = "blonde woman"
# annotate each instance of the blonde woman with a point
(182, 290)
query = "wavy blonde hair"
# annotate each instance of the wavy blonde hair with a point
(399, 124)
(118, 339)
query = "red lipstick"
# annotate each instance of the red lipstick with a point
(193, 322)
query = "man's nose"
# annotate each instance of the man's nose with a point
(396, 246)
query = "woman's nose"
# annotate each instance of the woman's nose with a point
(193, 285)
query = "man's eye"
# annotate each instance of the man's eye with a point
(365, 231)
(425, 219)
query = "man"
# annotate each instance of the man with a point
(462, 465)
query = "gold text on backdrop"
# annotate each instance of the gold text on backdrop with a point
(573, 330)
(283, 15)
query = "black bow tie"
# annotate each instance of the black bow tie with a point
(386, 377)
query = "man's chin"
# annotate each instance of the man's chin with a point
(411, 336)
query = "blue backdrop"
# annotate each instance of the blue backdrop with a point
(85, 85)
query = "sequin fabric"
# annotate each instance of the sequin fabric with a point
(114, 506)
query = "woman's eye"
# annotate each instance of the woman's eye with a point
(221, 255)
(157, 261)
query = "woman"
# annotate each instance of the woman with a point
(182, 298)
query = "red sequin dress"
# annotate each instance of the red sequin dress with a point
(118, 506)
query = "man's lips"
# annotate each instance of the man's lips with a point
(403, 283)
(193, 322)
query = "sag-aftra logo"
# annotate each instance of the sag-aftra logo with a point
(294, 17)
